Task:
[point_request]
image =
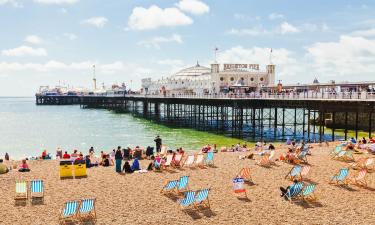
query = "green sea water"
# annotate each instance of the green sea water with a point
(27, 129)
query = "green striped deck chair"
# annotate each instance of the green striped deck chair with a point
(37, 190)
(169, 186)
(21, 191)
(336, 151)
(188, 199)
(308, 193)
(201, 199)
(69, 214)
(295, 191)
(183, 184)
(87, 210)
(340, 177)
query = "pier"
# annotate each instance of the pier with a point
(252, 117)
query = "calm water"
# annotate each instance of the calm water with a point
(27, 129)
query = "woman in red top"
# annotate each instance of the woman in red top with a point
(24, 167)
(66, 155)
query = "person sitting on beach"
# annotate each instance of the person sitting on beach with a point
(105, 161)
(79, 157)
(24, 167)
(137, 153)
(66, 155)
(127, 168)
(74, 154)
(284, 191)
(290, 157)
(44, 154)
(349, 146)
(181, 151)
(3, 168)
(364, 141)
(352, 140)
(371, 140)
(149, 151)
(135, 165)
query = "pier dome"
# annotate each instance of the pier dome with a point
(191, 72)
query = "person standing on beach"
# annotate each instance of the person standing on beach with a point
(158, 143)
(6, 156)
(118, 159)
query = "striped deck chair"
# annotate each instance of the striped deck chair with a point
(348, 156)
(294, 192)
(69, 213)
(199, 161)
(169, 186)
(183, 184)
(304, 171)
(302, 156)
(340, 177)
(177, 160)
(168, 162)
(201, 199)
(245, 174)
(294, 172)
(358, 164)
(21, 191)
(37, 190)
(264, 161)
(339, 155)
(189, 161)
(209, 159)
(336, 151)
(369, 164)
(308, 193)
(188, 199)
(87, 210)
(360, 179)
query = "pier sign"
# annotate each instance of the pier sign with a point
(241, 66)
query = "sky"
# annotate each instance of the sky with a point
(51, 42)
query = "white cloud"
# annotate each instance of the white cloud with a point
(239, 16)
(349, 56)
(33, 39)
(311, 27)
(286, 28)
(157, 41)
(70, 36)
(25, 51)
(364, 33)
(193, 6)
(13, 3)
(155, 17)
(96, 21)
(255, 31)
(170, 62)
(56, 2)
(275, 16)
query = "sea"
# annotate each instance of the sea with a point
(27, 129)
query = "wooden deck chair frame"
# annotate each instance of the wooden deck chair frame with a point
(163, 191)
(245, 173)
(206, 202)
(362, 182)
(70, 219)
(187, 160)
(310, 197)
(192, 195)
(37, 196)
(211, 161)
(343, 182)
(182, 190)
(358, 164)
(91, 215)
(199, 163)
(21, 197)
(177, 163)
(166, 167)
(289, 174)
(264, 161)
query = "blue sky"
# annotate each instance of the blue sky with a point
(43, 42)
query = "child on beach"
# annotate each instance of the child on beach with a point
(24, 167)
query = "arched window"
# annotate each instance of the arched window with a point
(232, 79)
(261, 79)
(221, 78)
(252, 79)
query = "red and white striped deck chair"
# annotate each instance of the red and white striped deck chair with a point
(264, 161)
(304, 171)
(360, 179)
(245, 174)
(369, 164)
(358, 164)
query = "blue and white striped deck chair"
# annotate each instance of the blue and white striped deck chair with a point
(294, 191)
(69, 212)
(188, 199)
(294, 172)
(183, 184)
(37, 190)
(169, 186)
(303, 156)
(209, 158)
(340, 177)
(201, 199)
(308, 193)
(87, 210)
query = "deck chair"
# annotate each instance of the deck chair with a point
(168, 162)
(183, 184)
(37, 191)
(87, 210)
(369, 164)
(189, 161)
(358, 164)
(304, 171)
(209, 159)
(245, 174)
(157, 165)
(294, 172)
(339, 155)
(308, 193)
(348, 156)
(21, 192)
(340, 177)
(264, 161)
(199, 161)
(302, 156)
(294, 192)
(177, 160)
(336, 151)
(188, 199)
(360, 179)
(169, 186)
(201, 199)
(69, 213)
